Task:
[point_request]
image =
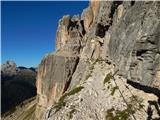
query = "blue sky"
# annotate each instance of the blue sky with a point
(28, 29)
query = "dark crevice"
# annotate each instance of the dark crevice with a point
(132, 3)
(101, 44)
(101, 29)
(151, 42)
(69, 25)
(92, 53)
(72, 25)
(150, 111)
(140, 52)
(75, 24)
(155, 104)
(140, 59)
(113, 9)
(83, 31)
(144, 88)
(67, 84)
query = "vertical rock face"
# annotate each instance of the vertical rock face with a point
(125, 34)
(55, 73)
(55, 70)
(87, 17)
(94, 4)
(135, 42)
(69, 34)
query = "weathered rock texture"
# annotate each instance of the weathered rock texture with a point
(124, 34)
(135, 42)
(127, 33)
(76, 81)
(69, 34)
(55, 73)
(56, 70)
(99, 101)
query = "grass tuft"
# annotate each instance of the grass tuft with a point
(75, 90)
(114, 89)
(59, 105)
(61, 101)
(119, 115)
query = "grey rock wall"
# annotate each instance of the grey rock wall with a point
(135, 43)
(124, 34)
(128, 34)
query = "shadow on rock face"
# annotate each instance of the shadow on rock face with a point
(146, 89)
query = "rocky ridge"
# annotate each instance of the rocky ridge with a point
(106, 66)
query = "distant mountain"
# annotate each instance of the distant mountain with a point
(8, 69)
(18, 84)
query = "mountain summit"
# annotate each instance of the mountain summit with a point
(9, 68)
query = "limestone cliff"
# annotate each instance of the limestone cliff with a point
(123, 34)
(106, 65)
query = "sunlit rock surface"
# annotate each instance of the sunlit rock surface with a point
(106, 65)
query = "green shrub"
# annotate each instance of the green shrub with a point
(137, 101)
(110, 115)
(61, 101)
(59, 105)
(114, 89)
(107, 78)
(113, 114)
(73, 91)
(124, 114)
